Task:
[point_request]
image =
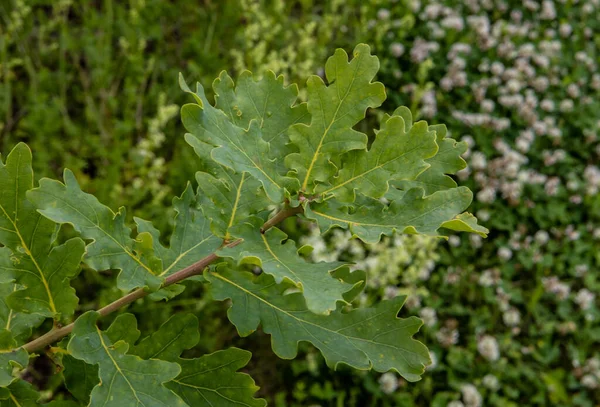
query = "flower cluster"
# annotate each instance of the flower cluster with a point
(519, 82)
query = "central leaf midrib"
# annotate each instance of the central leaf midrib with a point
(34, 261)
(303, 321)
(370, 170)
(244, 153)
(333, 119)
(117, 366)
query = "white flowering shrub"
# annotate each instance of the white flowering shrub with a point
(512, 319)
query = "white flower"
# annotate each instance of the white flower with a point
(397, 49)
(390, 292)
(388, 383)
(488, 348)
(478, 161)
(589, 381)
(585, 299)
(555, 286)
(541, 237)
(505, 253)
(383, 14)
(428, 315)
(471, 396)
(447, 337)
(454, 241)
(512, 317)
(491, 382)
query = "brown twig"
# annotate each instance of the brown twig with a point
(192, 270)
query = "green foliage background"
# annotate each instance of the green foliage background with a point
(92, 86)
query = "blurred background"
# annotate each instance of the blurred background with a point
(511, 320)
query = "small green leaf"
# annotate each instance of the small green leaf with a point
(243, 150)
(112, 246)
(364, 338)
(124, 379)
(395, 154)
(465, 222)
(413, 213)
(41, 271)
(321, 290)
(213, 380)
(334, 110)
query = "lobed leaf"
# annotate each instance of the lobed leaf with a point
(320, 289)
(465, 222)
(211, 380)
(33, 271)
(447, 160)
(398, 153)
(112, 246)
(124, 379)
(334, 110)
(227, 198)
(364, 338)
(412, 213)
(242, 150)
(266, 101)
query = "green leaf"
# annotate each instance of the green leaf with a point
(465, 222)
(112, 246)
(398, 152)
(227, 198)
(210, 380)
(243, 150)
(321, 290)
(10, 357)
(191, 239)
(413, 213)
(22, 394)
(334, 110)
(80, 377)
(448, 160)
(267, 101)
(364, 338)
(124, 379)
(19, 394)
(179, 333)
(19, 324)
(123, 328)
(41, 271)
(213, 380)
